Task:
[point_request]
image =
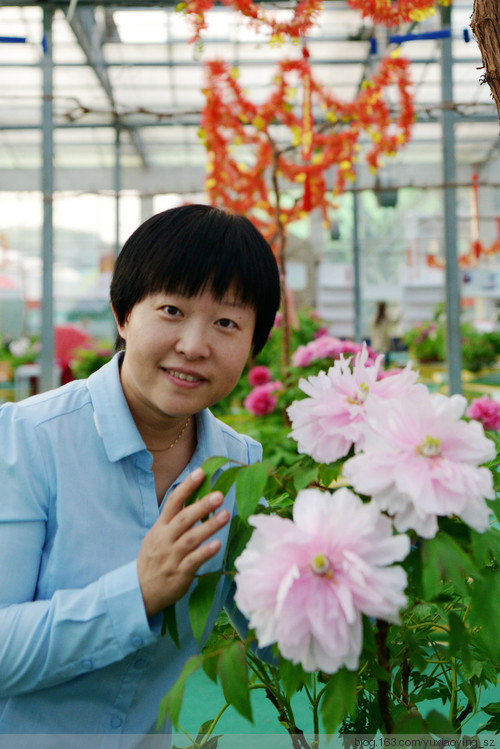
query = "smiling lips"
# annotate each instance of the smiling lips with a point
(184, 376)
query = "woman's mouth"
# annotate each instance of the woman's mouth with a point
(183, 376)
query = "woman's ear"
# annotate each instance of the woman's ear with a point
(121, 328)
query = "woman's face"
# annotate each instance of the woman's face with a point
(182, 353)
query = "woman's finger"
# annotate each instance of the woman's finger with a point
(197, 535)
(181, 493)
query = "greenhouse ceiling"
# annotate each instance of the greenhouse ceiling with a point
(131, 65)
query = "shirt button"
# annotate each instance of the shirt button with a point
(116, 721)
(136, 641)
(88, 663)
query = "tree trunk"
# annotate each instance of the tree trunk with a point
(485, 24)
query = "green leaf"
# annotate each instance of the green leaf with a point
(492, 726)
(292, 677)
(171, 704)
(444, 560)
(250, 486)
(494, 504)
(226, 480)
(486, 546)
(439, 724)
(210, 666)
(210, 466)
(485, 611)
(369, 645)
(459, 639)
(169, 624)
(239, 535)
(233, 675)
(411, 723)
(200, 601)
(212, 742)
(305, 477)
(339, 699)
(492, 708)
(330, 472)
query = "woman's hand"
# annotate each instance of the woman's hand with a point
(174, 548)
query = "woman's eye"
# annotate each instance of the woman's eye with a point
(171, 311)
(224, 322)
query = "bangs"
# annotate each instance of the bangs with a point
(216, 257)
(196, 248)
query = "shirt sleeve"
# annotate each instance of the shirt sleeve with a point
(47, 642)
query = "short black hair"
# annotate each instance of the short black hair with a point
(195, 248)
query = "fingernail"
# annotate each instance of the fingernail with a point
(222, 517)
(216, 499)
(197, 474)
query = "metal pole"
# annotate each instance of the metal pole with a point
(454, 350)
(47, 326)
(117, 189)
(356, 268)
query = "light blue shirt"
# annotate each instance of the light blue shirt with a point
(77, 496)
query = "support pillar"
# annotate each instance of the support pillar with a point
(47, 306)
(453, 344)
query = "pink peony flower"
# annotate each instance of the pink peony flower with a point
(421, 460)
(259, 376)
(388, 373)
(486, 410)
(260, 400)
(325, 346)
(331, 420)
(304, 584)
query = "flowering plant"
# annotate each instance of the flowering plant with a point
(427, 343)
(369, 577)
(17, 351)
(89, 358)
(487, 411)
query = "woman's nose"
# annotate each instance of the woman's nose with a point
(193, 342)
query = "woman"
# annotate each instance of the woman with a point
(95, 540)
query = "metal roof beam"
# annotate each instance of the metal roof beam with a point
(90, 39)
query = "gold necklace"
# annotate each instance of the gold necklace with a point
(164, 449)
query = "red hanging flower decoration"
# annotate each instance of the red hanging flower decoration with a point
(301, 21)
(246, 166)
(394, 12)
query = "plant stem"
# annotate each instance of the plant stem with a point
(274, 694)
(454, 694)
(405, 679)
(383, 687)
(214, 723)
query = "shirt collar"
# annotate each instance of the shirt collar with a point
(116, 426)
(113, 420)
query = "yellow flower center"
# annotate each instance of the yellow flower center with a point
(430, 447)
(320, 565)
(360, 396)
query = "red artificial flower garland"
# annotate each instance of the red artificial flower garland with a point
(304, 15)
(393, 12)
(230, 122)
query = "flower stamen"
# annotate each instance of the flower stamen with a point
(320, 565)
(430, 447)
(360, 396)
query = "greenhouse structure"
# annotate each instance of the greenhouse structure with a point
(358, 559)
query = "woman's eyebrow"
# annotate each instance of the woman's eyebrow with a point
(231, 302)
